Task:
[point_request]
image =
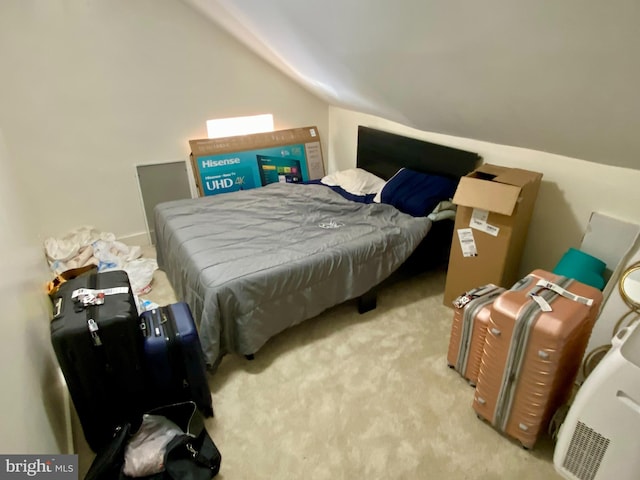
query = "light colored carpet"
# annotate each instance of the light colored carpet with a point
(346, 396)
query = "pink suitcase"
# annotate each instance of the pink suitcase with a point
(468, 330)
(536, 337)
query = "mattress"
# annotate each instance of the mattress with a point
(253, 263)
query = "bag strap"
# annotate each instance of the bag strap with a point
(54, 285)
(208, 455)
(108, 462)
(189, 458)
(184, 414)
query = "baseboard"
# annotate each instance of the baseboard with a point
(136, 239)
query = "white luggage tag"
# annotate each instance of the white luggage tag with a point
(88, 296)
(464, 299)
(544, 305)
(565, 293)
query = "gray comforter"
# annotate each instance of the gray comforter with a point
(252, 263)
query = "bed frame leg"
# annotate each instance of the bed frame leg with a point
(367, 301)
(251, 356)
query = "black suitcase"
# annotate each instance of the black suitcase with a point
(97, 341)
(174, 357)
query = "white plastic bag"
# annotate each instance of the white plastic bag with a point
(140, 273)
(144, 454)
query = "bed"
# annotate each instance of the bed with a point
(253, 263)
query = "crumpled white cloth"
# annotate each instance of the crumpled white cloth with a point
(70, 251)
(88, 246)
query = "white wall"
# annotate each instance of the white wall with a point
(32, 401)
(571, 188)
(91, 88)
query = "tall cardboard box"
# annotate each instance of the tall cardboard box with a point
(494, 207)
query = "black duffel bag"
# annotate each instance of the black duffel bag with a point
(172, 443)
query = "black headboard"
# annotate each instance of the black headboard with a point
(384, 153)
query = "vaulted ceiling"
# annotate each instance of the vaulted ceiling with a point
(560, 76)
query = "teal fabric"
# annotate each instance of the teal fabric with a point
(582, 267)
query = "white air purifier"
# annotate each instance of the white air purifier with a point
(600, 436)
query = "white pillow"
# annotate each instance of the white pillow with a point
(378, 197)
(356, 181)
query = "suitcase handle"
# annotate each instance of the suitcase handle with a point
(621, 336)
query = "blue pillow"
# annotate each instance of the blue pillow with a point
(417, 193)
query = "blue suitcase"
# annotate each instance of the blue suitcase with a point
(174, 357)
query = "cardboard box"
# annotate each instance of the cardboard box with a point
(494, 207)
(243, 162)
